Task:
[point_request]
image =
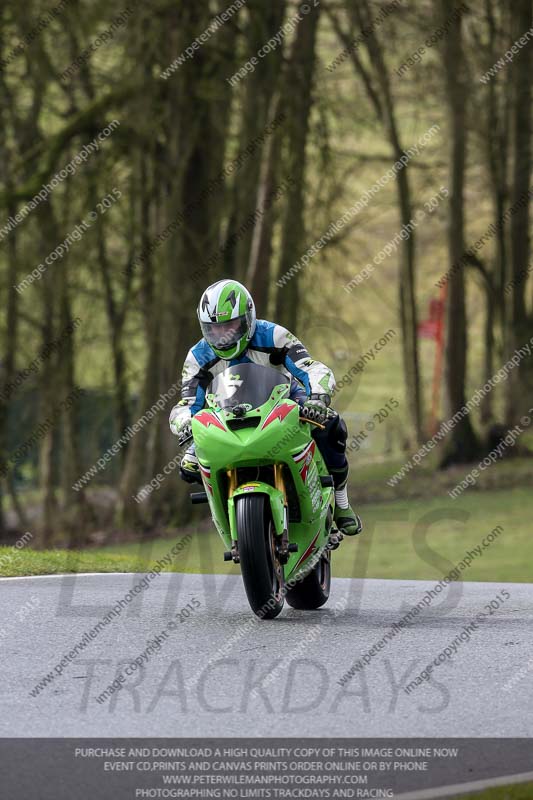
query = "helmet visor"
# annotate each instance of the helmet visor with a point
(225, 335)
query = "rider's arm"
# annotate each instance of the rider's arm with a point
(195, 377)
(316, 377)
(193, 383)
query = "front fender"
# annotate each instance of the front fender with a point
(275, 498)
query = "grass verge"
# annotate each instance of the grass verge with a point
(407, 539)
(522, 791)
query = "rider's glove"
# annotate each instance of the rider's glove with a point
(180, 421)
(315, 408)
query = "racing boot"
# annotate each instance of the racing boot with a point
(346, 520)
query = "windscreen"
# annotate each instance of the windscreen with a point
(250, 384)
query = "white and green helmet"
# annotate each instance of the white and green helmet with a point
(227, 318)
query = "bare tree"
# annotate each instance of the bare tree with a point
(376, 81)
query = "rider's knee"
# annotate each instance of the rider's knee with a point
(338, 435)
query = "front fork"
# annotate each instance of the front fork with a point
(277, 496)
(283, 546)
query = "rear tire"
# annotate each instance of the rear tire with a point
(262, 574)
(313, 591)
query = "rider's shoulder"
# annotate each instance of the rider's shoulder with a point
(203, 352)
(268, 334)
(263, 334)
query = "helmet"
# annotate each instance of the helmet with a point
(227, 318)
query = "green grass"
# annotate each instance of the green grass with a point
(368, 481)
(409, 540)
(405, 539)
(53, 562)
(522, 791)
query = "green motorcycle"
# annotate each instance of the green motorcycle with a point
(269, 491)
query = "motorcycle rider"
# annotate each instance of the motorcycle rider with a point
(233, 335)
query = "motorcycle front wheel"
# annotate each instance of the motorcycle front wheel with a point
(262, 573)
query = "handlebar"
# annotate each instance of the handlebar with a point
(312, 422)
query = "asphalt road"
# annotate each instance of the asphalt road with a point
(204, 677)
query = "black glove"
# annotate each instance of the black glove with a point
(315, 408)
(184, 434)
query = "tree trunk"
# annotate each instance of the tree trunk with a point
(115, 322)
(485, 407)
(8, 372)
(10, 302)
(258, 276)
(48, 399)
(298, 102)
(49, 396)
(265, 19)
(462, 444)
(76, 510)
(520, 384)
(499, 114)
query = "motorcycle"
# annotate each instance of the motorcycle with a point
(268, 488)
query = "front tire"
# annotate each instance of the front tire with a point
(262, 574)
(314, 590)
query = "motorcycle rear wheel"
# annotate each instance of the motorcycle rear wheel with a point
(314, 590)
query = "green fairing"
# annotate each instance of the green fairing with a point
(276, 505)
(220, 449)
